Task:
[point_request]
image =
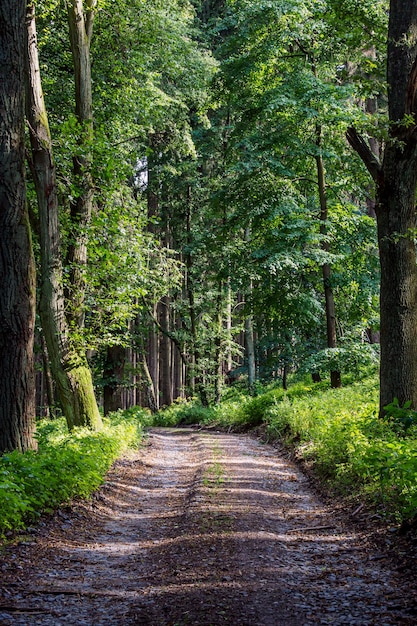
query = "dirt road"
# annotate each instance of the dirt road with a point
(204, 529)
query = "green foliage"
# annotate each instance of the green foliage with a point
(64, 467)
(401, 418)
(350, 357)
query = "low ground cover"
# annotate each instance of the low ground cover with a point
(66, 465)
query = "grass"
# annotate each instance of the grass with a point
(336, 431)
(66, 465)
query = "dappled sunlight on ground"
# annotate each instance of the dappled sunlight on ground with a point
(203, 529)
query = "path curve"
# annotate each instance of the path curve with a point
(203, 529)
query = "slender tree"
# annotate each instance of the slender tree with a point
(17, 273)
(68, 363)
(80, 21)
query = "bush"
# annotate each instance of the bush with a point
(66, 465)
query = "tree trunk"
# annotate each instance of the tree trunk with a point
(218, 360)
(335, 379)
(69, 367)
(396, 220)
(153, 351)
(81, 28)
(285, 376)
(165, 353)
(113, 374)
(17, 272)
(229, 359)
(150, 389)
(152, 364)
(47, 375)
(396, 181)
(17, 294)
(249, 336)
(250, 354)
(197, 375)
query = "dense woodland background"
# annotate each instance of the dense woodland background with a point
(208, 186)
(232, 231)
(202, 204)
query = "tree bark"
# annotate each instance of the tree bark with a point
(49, 383)
(250, 353)
(218, 345)
(80, 22)
(249, 336)
(113, 374)
(197, 374)
(335, 379)
(396, 181)
(17, 272)
(165, 353)
(69, 366)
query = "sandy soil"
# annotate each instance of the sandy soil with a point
(204, 529)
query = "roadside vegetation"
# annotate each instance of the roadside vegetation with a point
(336, 432)
(66, 466)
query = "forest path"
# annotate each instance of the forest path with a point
(204, 529)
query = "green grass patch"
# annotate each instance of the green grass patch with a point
(66, 465)
(336, 431)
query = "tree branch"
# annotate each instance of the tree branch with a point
(165, 332)
(358, 143)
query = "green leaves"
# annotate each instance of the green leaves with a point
(66, 465)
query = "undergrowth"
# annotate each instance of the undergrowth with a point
(66, 465)
(336, 431)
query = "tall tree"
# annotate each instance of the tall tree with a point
(395, 177)
(17, 273)
(80, 20)
(68, 363)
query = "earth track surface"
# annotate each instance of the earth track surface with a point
(204, 529)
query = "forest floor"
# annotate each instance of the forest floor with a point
(206, 529)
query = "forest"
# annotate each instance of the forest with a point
(208, 215)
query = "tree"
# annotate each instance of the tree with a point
(80, 21)
(17, 273)
(68, 363)
(395, 177)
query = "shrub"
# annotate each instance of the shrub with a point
(66, 465)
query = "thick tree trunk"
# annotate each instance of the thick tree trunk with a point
(152, 364)
(396, 181)
(229, 360)
(153, 351)
(165, 353)
(17, 273)
(197, 375)
(250, 354)
(396, 218)
(69, 367)
(218, 360)
(249, 337)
